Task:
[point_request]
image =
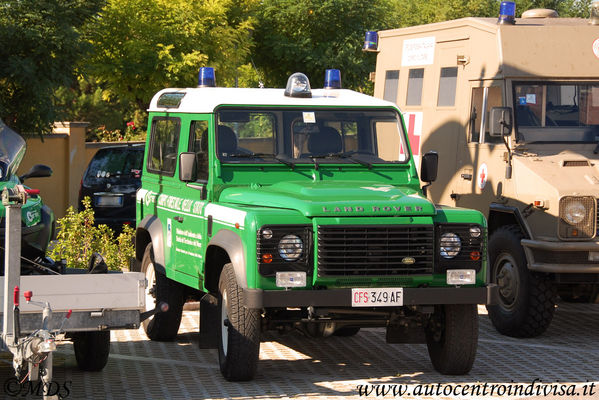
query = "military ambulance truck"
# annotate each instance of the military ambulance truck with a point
(300, 208)
(513, 110)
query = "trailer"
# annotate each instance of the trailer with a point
(38, 311)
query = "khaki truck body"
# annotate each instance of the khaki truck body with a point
(513, 110)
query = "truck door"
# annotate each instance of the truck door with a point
(480, 162)
(189, 227)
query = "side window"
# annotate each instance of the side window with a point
(447, 87)
(164, 141)
(415, 81)
(391, 85)
(483, 99)
(198, 143)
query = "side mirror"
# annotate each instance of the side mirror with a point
(37, 171)
(187, 167)
(501, 121)
(429, 166)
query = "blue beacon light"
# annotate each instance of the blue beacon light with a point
(371, 42)
(332, 79)
(206, 77)
(507, 12)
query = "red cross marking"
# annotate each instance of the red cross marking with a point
(414, 140)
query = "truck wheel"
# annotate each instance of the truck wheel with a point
(164, 325)
(91, 349)
(452, 338)
(347, 331)
(526, 299)
(239, 333)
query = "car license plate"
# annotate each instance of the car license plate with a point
(383, 297)
(109, 201)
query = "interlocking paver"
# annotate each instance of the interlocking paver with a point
(296, 367)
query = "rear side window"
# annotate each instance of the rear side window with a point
(164, 141)
(122, 163)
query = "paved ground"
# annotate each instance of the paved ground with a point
(293, 366)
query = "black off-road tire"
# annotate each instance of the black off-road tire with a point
(91, 349)
(347, 331)
(238, 331)
(164, 325)
(452, 338)
(526, 298)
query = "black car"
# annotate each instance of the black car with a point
(111, 181)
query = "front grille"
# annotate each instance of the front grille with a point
(375, 250)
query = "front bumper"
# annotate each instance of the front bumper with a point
(560, 257)
(258, 298)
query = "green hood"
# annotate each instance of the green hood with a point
(333, 198)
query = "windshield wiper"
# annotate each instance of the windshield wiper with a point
(347, 154)
(263, 155)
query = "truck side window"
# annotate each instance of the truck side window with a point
(415, 81)
(391, 85)
(447, 87)
(198, 143)
(493, 99)
(164, 142)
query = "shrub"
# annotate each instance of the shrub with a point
(78, 238)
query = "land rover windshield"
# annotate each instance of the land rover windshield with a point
(311, 136)
(557, 112)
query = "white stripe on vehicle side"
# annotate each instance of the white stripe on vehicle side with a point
(141, 193)
(225, 214)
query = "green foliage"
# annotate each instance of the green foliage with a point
(417, 12)
(39, 46)
(78, 239)
(311, 36)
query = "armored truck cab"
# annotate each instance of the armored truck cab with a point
(513, 110)
(299, 208)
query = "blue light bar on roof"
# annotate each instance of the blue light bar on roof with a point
(371, 42)
(332, 79)
(206, 77)
(507, 12)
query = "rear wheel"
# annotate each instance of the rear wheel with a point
(163, 326)
(452, 338)
(239, 333)
(526, 299)
(91, 349)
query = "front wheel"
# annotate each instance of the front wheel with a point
(163, 326)
(239, 331)
(526, 299)
(452, 338)
(91, 349)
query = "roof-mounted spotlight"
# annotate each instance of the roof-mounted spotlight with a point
(206, 77)
(298, 85)
(332, 79)
(507, 13)
(371, 42)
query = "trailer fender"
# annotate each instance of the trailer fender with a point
(150, 230)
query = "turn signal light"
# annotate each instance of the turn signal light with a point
(475, 255)
(267, 258)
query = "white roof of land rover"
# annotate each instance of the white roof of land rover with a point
(206, 99)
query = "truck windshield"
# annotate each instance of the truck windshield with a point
(296, 136)
(557, 112)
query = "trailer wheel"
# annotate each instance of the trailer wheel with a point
(526, 299)
(347, 331)
(91, 349)
(163, 326)
(452, 338)
(239, 333)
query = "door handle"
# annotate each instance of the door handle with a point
(178, 219)
(467, 177)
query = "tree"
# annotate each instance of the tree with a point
(417, 12)
(313, 35)
(39, 46)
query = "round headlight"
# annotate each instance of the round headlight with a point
(475, 231)
(267, 233)
(291, 247)
(574, 212)
(449, 245)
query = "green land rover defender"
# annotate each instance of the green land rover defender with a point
(299, 208)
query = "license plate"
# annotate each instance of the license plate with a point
(109, 201)
(383, 297)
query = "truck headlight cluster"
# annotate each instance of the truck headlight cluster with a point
(577, 217)
(460, 247)
(284, 248)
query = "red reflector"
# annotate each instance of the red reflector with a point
(237, 225)
(267, 258)
(475, 255)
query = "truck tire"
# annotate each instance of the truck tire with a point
(163, 326)
(91, 350)
(452, 338)
(239, 331)
(526, 299)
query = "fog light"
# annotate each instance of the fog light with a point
(461, 276)
(291, 279)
